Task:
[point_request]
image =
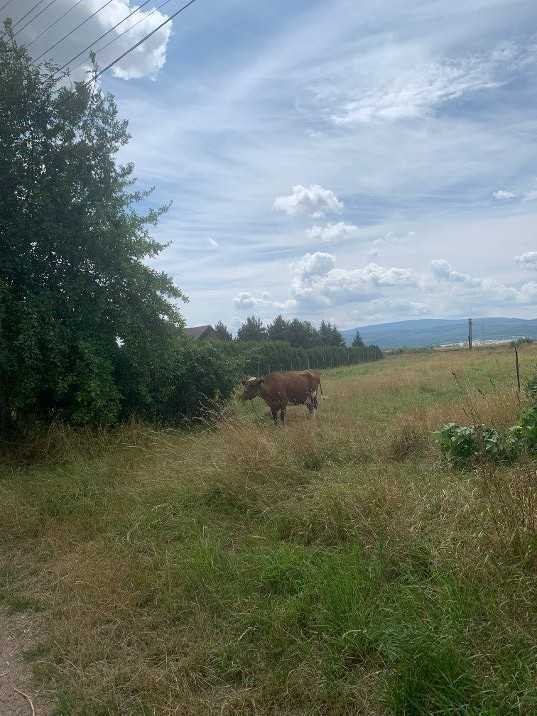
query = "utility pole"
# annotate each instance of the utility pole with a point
(469, 334)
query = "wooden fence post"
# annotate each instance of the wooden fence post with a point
(517, 368)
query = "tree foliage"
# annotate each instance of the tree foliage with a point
(222, 333)
(252, 330)
(88, 331)
(266, 356)
(299, 334)
(357, 341)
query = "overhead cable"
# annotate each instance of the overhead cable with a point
(128, 29)
(82, 52)
(140, 42)
(5, 5)
(53, 24)
(35, 17)
(34, 7)
(73, 30)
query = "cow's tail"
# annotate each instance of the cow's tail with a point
(325, 397)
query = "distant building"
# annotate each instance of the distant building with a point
(200, 332)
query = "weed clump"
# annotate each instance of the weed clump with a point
(464, 445)
(511, 499)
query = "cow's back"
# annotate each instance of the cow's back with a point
(291, 387)
(313, 378)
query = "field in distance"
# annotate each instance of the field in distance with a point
(334, 566)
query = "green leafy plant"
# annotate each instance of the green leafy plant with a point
(457, 442)
(525, 433)
(464, 445)
(530, 387)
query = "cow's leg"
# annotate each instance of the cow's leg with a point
(274, 412)
(312, 403)
(282, 414)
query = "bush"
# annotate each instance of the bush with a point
(263, 357)
(525, 433)
(201, 379)
(464, 445)
(530, 388)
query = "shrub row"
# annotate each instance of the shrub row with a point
(262, 358)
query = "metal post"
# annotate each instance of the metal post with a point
(517, 368)
(470, 341)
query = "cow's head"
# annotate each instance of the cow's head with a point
(251, 387)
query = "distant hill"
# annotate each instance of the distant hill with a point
(435, 332)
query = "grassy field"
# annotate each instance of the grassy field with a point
(335, 566)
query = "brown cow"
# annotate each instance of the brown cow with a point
(280, 389)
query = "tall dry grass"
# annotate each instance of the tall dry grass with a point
(335, 565)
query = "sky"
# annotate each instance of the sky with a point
(353, 162)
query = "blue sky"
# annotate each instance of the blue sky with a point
(358, 162)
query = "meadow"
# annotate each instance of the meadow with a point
(333, 566)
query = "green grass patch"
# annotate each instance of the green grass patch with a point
(332, 566)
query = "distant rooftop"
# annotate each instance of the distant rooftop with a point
(199, 331)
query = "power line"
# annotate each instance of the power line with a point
(35, 17)
(146, 37)
(103, 35)
(128, 29)
(38, 3)
(5, 5)
(73, 30)
(53, 24)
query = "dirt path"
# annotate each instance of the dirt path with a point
(18, 633)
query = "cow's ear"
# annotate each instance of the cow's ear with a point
(260, 380)
(244, 381)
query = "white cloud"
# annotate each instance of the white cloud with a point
(395, 307)
(145, 61)
(415, 91)
(442, 270)
(314, 200)
(502, 195)
(330, 233)
(527, 260)
(471, 290)
(213, 243)
(245, 301)
(528, 293)
(316, 264)
(530, 196)
(407, 81)
(317, 281)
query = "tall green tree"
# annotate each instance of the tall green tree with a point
(222, 333)
(278, 330)
(357, 341)
(87, 329)
(329, 335)
(252, 330)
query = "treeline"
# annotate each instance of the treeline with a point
(297, 333)
(262, 358)
(290, 345)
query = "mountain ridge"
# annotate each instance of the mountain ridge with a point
(423, 332)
